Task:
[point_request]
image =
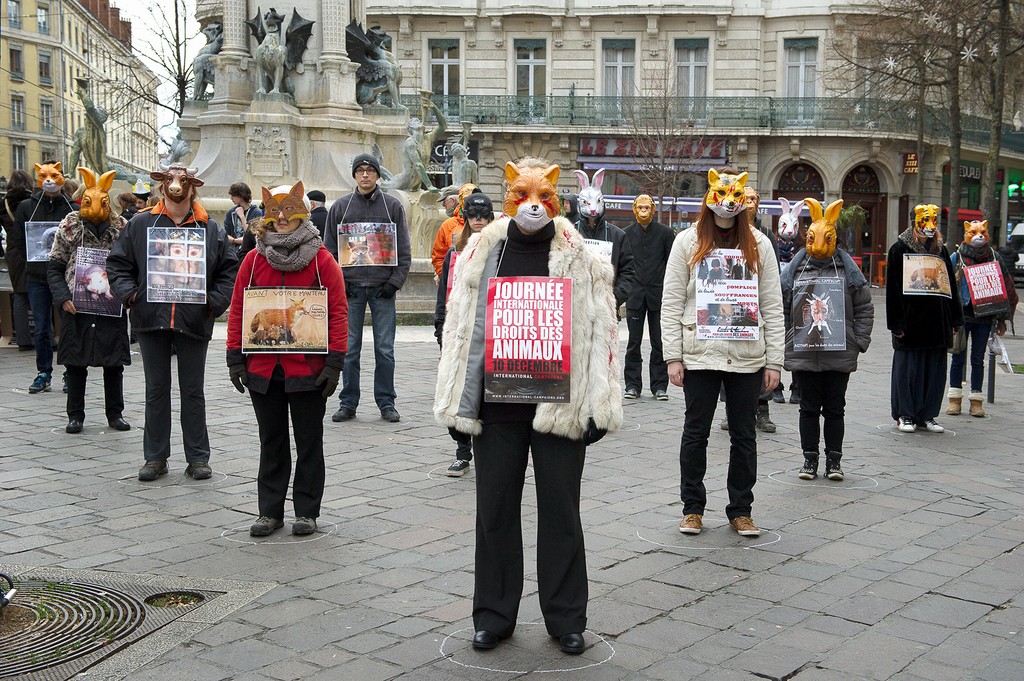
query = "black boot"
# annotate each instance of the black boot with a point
(764, 421)
(794, 394)
(810, 469)
(832, 469)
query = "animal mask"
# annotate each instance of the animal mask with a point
(590, 201)
(643, 209)
(789, 223)
(96, 198)
(976, 233)
(531, 198)
(177, 183)
(821, 235)
(725, 194)
(752, 201)
(926, 220)
(49, 177)
(291, 201)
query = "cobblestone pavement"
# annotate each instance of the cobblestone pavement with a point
(911, 568)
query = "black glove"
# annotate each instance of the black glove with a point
(239, 376)
(329, 380)
(387, 290)
(592, 434)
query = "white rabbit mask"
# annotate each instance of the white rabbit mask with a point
(789, 223)
(591, 201)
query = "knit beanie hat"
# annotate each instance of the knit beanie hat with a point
(365, 160)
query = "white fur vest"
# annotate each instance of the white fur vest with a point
(594, 387)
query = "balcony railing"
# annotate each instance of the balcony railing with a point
(717, 114)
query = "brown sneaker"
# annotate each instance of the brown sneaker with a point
(691, 523)
(745, 526)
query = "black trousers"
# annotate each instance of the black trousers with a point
(822, 393)
(918, 385)
(307, 410)
(633, 366)
(502, 450)
(701, 389)
(155, 347)
(113, 391)
(463, 445)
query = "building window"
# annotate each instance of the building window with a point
(46, 153)
(45, 74)
(14, 55)
(43, 19)
(619, 67)
(801, 66)
(531, 68)
(692, 67)
(46, 115)
(19, 156)
(14, 13)
(444, 66)
(17, 112)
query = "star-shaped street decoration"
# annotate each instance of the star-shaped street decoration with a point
(993, 49)
(932, 20)
(969, 54)
(890, 63)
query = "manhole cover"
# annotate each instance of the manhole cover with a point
(73, 625)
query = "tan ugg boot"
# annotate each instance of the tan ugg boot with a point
(956, 398)
(976, 405)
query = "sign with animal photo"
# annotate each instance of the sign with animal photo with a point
(361, 244)
(284, 319)
(176, 265)
(819, 314)
(39, 238)
(527, 339)
(602, 249)
(925, 275)
(987, 288)
(92, 292)
(727, 302)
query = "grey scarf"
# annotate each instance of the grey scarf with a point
(290, 252)
(933, 245)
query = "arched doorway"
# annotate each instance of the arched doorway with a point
(798, 181)
(861, 187)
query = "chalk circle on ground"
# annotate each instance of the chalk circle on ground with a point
(568, 659)
(183, 480)
(920, 432)
(624, 429)
(861, 481)
(277, 538)
(715, 530)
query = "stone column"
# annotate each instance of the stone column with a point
(236, 41)
(233, 87)
(334, 17)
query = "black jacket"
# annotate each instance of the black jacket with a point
(16, 238)
(650, 249)
(127, 268)
(38, 208)
(318, 216)
(927, 321)
(622, 254)
(373, 207)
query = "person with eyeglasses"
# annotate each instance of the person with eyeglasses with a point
(477, 211)
(367, 210)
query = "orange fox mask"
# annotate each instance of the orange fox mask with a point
(49, 177)
(976, 233)
(291, 202)
(725, 195)
(96, 198)
(531, 200)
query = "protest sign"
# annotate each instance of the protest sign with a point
(726, 300)
(602, 249)
(925, 275)
(176, 266)
(527, 339)
(284, 319)
(987, 288)
(451, 274)
(361, 244)
(92, 292)
(39, 238)
(819, 314)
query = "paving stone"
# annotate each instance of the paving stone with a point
(949, 612)
(874, 655)
(772, 660)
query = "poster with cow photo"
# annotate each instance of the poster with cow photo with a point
(284, 319)
(925, 275)
(92, 292)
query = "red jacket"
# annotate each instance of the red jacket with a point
(300, 370)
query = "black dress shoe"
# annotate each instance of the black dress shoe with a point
(74, 426)
(118, 423)
(485, 640)
(572, 643)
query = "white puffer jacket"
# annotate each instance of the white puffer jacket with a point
(595, 390)
(679, 315)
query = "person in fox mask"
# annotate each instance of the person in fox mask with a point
(533, 241)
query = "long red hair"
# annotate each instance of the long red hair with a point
(741, 236)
